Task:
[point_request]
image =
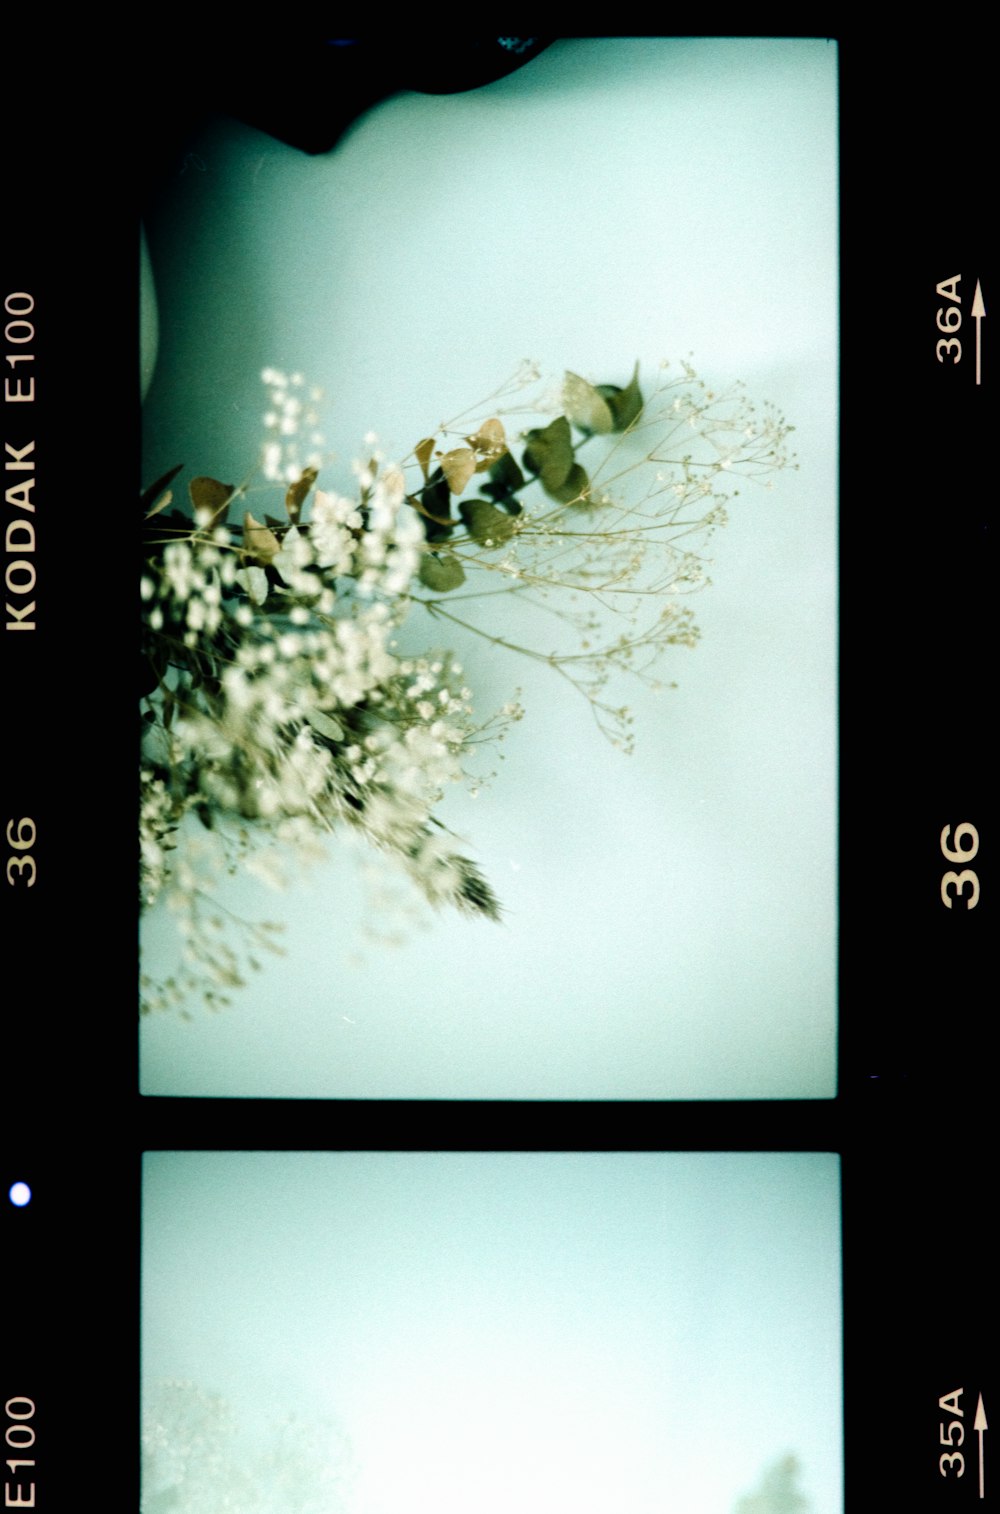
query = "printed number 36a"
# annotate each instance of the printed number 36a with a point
(966, 879)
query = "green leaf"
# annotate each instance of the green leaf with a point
(505, 479)
(325, 725)
(575, 488)
(486, 524)
(588, 410)
(254, 580)
(549, 452)
(149, 496)
(434, 507)
(441, 571)
(626, 404)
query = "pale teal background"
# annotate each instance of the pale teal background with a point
(547, 1333)
(670, 926)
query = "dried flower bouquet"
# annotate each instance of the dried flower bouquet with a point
(277, 706)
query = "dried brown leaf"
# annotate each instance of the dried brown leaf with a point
(259, 541)
(154, 491)
(458, 466)
(423, 451)
(161, 504)
(490, 442)
(208, 494)
(295, 498)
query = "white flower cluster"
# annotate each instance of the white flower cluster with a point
(294, 441)
(332, 530)
(389, 552)
(199, 1458)
(292, 711)
(189, 588)
(157, 821)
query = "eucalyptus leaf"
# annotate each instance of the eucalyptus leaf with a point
(486, 524)
(208, 494)
(458, 466)
(441, 571)
(150, 495)
(296, 495)
(325, 725)
(505, 479)
(423, 452)
(161, 504)
(434, 507)
(574, 490)
(490, 442)
(259, 541)
(626, 404)
(549, 452)
(254, 580)
(588, 410)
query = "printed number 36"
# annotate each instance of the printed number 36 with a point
(966, 879)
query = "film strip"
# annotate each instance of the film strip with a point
(908, 1124)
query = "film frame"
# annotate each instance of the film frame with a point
(909, 1120)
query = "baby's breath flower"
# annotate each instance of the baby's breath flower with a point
(281, 710)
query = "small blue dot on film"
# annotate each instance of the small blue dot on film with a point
(20, 1194)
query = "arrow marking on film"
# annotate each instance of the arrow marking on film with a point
(980, 1422)
(978, 311)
